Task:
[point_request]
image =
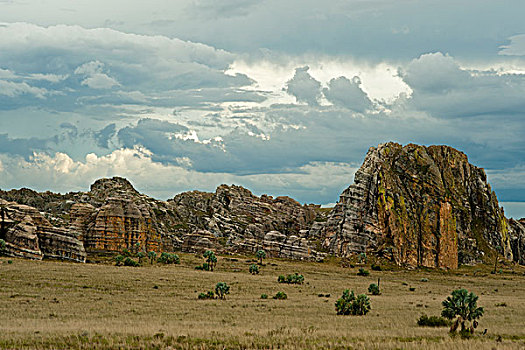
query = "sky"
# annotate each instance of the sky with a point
(282, 97)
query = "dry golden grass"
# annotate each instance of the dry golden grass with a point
(60, 305)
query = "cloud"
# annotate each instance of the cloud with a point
(94, 76)
(304, 87)
(516, 47)
(347, 93)
(445, 90)
(13, 89)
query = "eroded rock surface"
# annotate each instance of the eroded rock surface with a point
(420, 206)
(29, 234)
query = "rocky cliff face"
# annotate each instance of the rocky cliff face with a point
(421, 206)
(28, 234)
(113, 216)
(239, 221)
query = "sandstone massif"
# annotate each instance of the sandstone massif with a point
(421, 206)
(113, 216)
(415, 205)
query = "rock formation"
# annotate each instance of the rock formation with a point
(416, 205)
(30, 235)
(113, 216)
(421, 206)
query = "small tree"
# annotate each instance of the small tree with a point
(141, 256)
(254, 269)
(221, 289)
(463, 305)
(152, 256)
(261, 254)
(211, 259)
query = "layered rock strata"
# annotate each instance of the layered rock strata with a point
(28, 234)
(420, 206)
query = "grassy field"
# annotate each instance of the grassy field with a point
(60, 305)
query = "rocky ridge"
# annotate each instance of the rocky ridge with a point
(415, 205)
(113, 216)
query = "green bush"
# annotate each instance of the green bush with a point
(291, 279)
(204, 266)
(208, 295)
(433, 321)
(169, 258)
(363, 272)
(130, 262)
(280, 296)
(119, 260)
(254, 269)
(141, 256)
(126, 252)
(221, 289)
(375, 267)
(349, 304)
(264, 296)
(374, 289)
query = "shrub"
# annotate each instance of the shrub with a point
(374, 289)
(280, 296)
(363, 272)
(126, 252)
(141, 256)
(254, 269)
(432, 321)
(362, 258)
(376, 267)
(130, 262)
(211, 260)
(9, 261)
(424, 280)
(264, 296)
(411, 289)
(208, 295)
(152, 256)
(119, 259)
(462, 305)
(349, 304)
(291, 279)
(169, 258)
(221, 289)
(261, 254)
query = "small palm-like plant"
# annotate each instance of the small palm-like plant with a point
(349, 304)
(261, 254)
(211, 259)
(254, 269)
(152, 256)
(141, 256)
(462, 305)
(221, 289)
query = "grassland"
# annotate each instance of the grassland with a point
(58, 305)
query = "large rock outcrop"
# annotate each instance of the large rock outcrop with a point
(113, 216)
(421, 206)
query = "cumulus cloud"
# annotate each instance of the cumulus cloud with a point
(94, 77)
(445, 90)
(347, 93)
(304, 87)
